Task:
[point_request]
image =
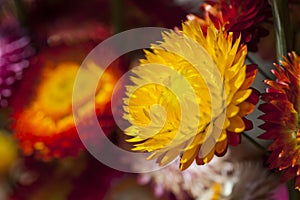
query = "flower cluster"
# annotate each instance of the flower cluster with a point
(180, 106)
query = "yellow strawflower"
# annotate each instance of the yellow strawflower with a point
(189, 96)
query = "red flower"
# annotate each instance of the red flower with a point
(282, 121)
(243, 17)
(42, 108)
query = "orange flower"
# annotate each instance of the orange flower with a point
(44, 123)
(281, 117)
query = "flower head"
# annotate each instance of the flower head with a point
(15, 49)
(202, 113)
(281, 117)
(222, 178)
(44, 122)
(197, 182)
(240, 17)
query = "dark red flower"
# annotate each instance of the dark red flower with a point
(282, 119)
(243, 17)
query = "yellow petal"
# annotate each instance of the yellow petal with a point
(236, 124)
(232, 110)
(221, 147)
(191, 151)
(245, 108)
(200, 160)
(240, 96)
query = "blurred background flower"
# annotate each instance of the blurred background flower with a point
(43, 122)
(15, 49)
(229, 177)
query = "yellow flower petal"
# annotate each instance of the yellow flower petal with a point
(236, 124)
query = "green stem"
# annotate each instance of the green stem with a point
(256, 144)
(117, 14)
(282, 27)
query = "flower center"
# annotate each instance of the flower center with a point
(54, 95)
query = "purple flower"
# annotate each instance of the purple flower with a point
(15, 49)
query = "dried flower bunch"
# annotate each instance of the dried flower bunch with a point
(215, 119)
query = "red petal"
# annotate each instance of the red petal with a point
(233, 138)
(273, 117)
(273, 96)
(289, 174)
(267, 107)
(269, 126)
(272, 90)
(248, 124)
(274, 155)
(254, 97)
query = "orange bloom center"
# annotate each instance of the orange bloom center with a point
(55, 92)
(51, 110)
